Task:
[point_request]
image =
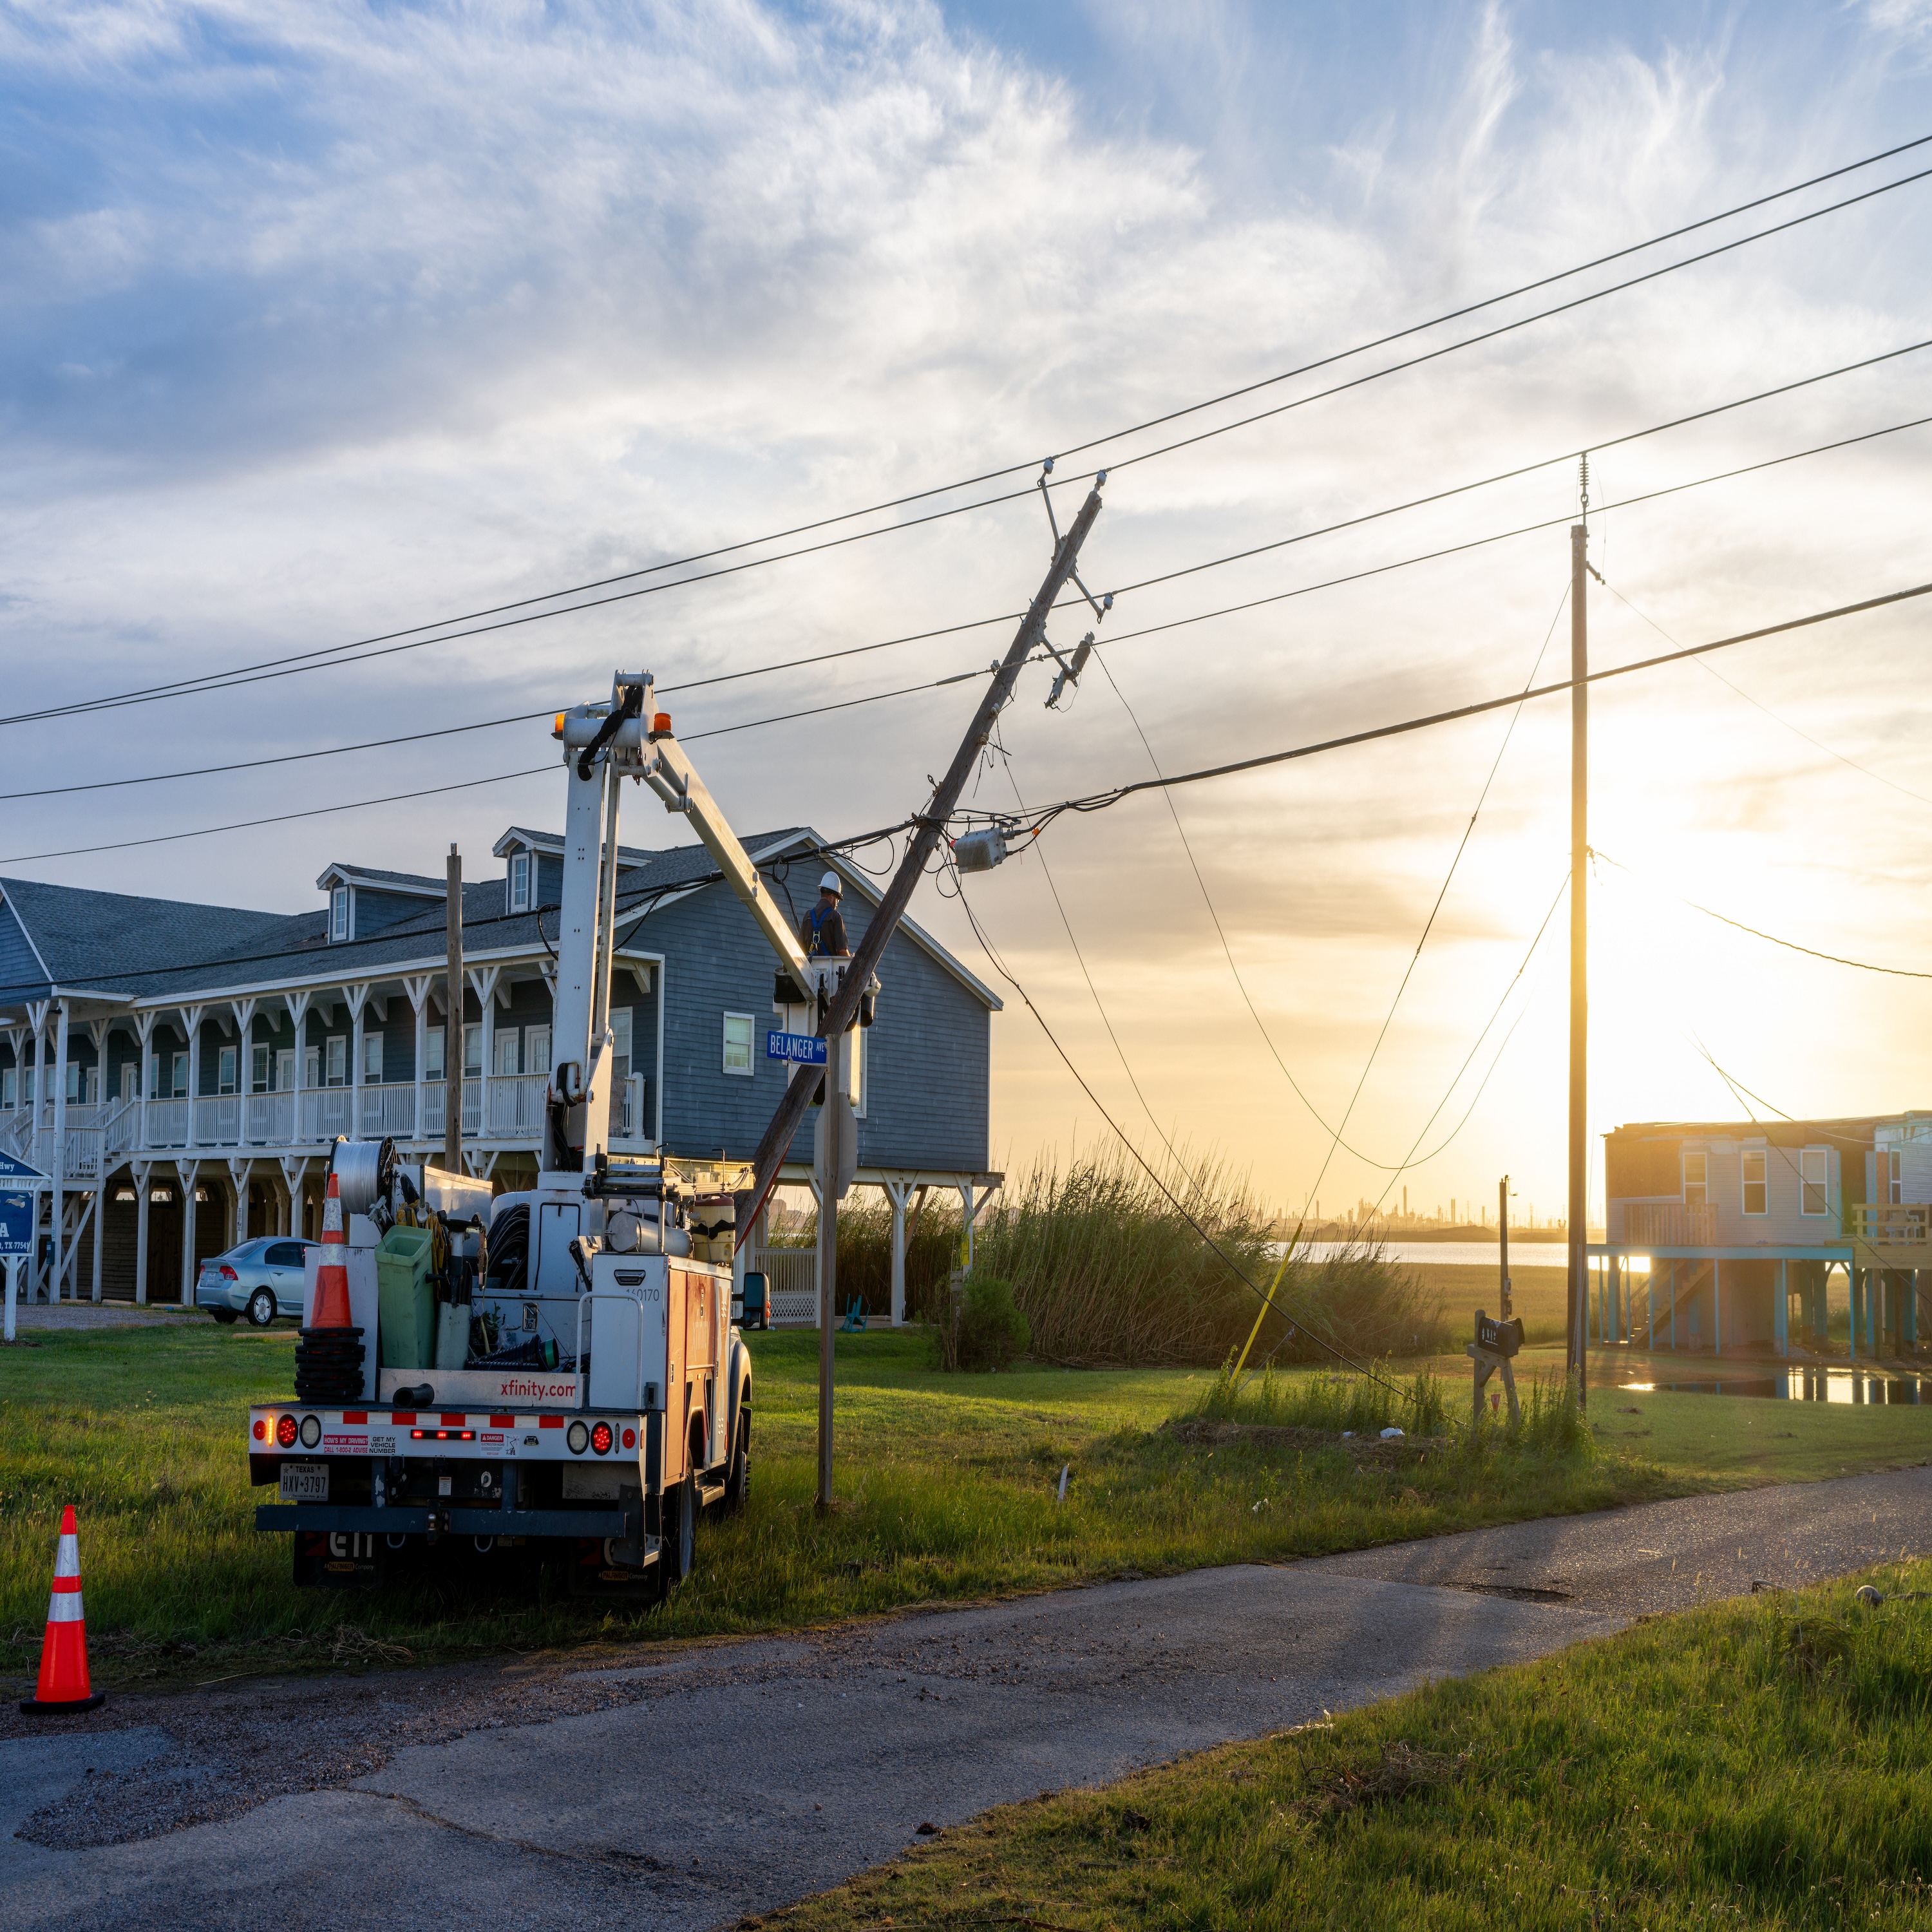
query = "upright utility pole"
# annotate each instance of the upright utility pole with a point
(1576, 1325)
(830, 1157)
(452, 1021)
(1502, 1242)
(928, 827)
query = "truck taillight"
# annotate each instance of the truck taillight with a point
(630, 1438)
(602, 1438)
(285, 1432)
(261, 1430)
(578, 1437)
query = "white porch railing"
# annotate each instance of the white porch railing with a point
(791, 1282)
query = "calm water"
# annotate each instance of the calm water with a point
(1827, 1384)
(1461, 1254)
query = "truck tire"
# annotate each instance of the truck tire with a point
(738, 1478)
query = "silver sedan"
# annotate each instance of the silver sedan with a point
(261, 1279)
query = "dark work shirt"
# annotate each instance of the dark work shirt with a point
(830, 937)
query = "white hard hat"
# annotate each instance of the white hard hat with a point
(829, 883)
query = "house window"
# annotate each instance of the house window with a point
(9, 1087)
(1754, 1166)
(285, 1069)
(226, 1068)
(504, 1052)
(179, 1088)
(259, 1060)
(131, 1076)
(1814, 1181)
(337, 1049)
(473, 1052)
(338, 914)
(1696, 1180)
(433, 1061)
(738, 1044)
(75, 1088)
(372, 1058)
(1894, 1181)
(311, 1067)
(536, 1049)
(519, 882)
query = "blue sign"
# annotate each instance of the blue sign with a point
(804, 1049)
(11, 1169)
(16, 1224)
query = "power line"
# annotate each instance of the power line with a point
(1101, 801)
(1770, 938)
(250, 673)
(1180, 1207)
(1118, 637)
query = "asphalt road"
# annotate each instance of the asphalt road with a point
(733, 1778)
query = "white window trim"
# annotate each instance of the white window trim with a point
(330, 1045)
(1684, 1183)
(182, 1072)
(227, 1058)
(531, 1036)
(341, 914)
(750, 1068)
(1745, 1156)
(519, 898)
(472, 1031)
(372, 1049)
(261, 1049)
(505, 1046)
(1825, 1156)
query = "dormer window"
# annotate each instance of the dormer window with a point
(338, 914)
(519, 882)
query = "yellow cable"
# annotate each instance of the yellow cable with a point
(1268, 1302)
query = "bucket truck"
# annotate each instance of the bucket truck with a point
(605, 1398)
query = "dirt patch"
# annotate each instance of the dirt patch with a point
(1400, 1770)
(1394, 1454)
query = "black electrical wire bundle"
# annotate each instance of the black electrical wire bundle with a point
(510, 1250)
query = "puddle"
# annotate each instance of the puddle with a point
(1849, 1385)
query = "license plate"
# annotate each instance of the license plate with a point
(304, 1483)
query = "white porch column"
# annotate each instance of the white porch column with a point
(898, 1193)
(37, 1016)
(191, 1020)
(293, 1169)
(58, 1167)
(244, 1062)
(355, 998)
(144, 1035)
(298, 1005)
(187, 1170)
(141, 1170)
(417, 985)
(483, 979)
(238, 1172)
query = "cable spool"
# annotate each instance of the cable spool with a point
(364, 1171)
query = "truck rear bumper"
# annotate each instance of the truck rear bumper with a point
(330, 1517)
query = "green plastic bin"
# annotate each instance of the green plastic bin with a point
(405, 1300)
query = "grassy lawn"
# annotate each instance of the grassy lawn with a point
(1767, 1762)
(946, 1487)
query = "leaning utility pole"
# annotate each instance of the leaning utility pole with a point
(452, 1018)
(1576, 1325)
(928, 827)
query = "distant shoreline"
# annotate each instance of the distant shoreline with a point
(1342, 1231)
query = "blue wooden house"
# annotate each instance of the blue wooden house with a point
(180, 1071)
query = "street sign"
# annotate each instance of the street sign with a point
(16, 1224)
(802, 1049)
(18, 1171)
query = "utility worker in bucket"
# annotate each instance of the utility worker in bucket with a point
(822, 931)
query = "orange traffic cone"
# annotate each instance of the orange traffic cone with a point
(63, 1688)
(331, 1276)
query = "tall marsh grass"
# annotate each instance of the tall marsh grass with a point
(1108, 1272)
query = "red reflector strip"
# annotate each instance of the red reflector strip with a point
(400, 1416)
(443, 1434)
(549, 1422)
(502, 1422)
(355, 1415)
(455, 1421)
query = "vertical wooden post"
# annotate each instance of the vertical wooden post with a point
(452, 1018)
(1502, 1243)
(1580, 934)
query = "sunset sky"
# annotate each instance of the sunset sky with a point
(324, 320)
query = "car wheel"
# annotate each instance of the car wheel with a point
(226, 1316)
(738, 1481)
(261, 1309)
